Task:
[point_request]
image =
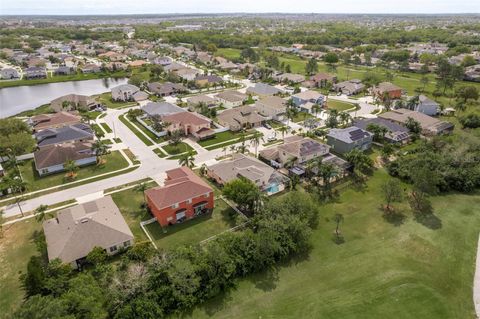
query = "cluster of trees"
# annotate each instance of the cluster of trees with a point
(15, 137)
(471, 120)
(151, 284)
(441, 165)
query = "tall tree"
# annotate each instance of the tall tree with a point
(99, 148)
(41, 213)
(392, 192)
(187, 159)
(255, 140)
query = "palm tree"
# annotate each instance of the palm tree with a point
(283, 129)
(141, 188)
(413, 103)
(360, 161)
(233, 148)
(71, 167)
(255, 140)
(17, 185)
(326, 172)
(99, 148)
(187, 159)
(316, 108)
(345, 118)
(41, 213)
(224, 150)
(290, 162)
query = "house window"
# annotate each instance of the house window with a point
(189, 201)
(126, 244)
(207, 195)
(175, 205)
(113, 249)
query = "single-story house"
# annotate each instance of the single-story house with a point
(166, 89)
(240, 117)
(231, 99)
(90, 68)
(9, 74)
(51, 159)
(396, 133)
(128, 92)
(273, 107)
(264, 176)
(263, 90)
(289, 78)
(187, 73)
(320, 80)
(183, 196)
(64, 70)
(302, 98)
(427, 106)
(297, 148)
(80, 132)
(35, 72)
(161, 109)
(350, 87)
(76, 230)
(204, 80)
(74, 102)
(196, 100)
(55, 120)
(343, 140)
(430, 125)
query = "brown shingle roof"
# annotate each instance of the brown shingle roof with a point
(185, 118)
(60, 119)
(59, 153)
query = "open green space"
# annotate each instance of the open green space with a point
(16, 247)
(106, 99)
(43, 109)
(177, 149)
(219, 138)
(193, 231)
(301, 116)
(62, 78)
(339, 105)
(381, 271)
(228, 53)
(159, 152)
(114, 161)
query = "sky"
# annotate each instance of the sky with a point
(90, 7)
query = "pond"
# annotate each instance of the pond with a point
(14, 100)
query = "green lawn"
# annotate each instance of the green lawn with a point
(381, 271)
(339, 105)
(228, 53)
(106, 127)
(301, 116)
(219, 138)
(43, 109)
(193, 231)
(115, 161)
(106, 99)
(177, 149)
(16, 247)
(135, 131)
(129, 202)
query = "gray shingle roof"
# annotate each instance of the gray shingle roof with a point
(349, 135)
(63, 134)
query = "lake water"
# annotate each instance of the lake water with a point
(14, 100)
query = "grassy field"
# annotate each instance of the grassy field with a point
(193, 231)
(228, 53)
(115, 161)
(381, 271)
(219, 138)
(301, 116)
(62, 78)
(106, 99)
(338, 105)
(135, 130)
(16, 247)
(106, 127)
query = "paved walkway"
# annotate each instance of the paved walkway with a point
(476, 282)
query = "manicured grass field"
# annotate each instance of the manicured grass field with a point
(106, 99)
(339, 105)
(381, 271)
(114, 161)
(177, 149)
(228, 53)
(301, 116)
(219, 138)
(191, 232)
(16, 247)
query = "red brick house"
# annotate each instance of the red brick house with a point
(184, 196)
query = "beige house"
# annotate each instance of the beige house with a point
(74, 102)
(240, 117)
(189, 123)
(273, 107)
(231, 99)
(77, 230)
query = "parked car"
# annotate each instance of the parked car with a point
(271, 138)
(267, 126)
